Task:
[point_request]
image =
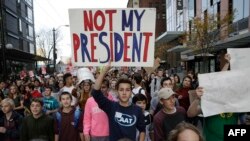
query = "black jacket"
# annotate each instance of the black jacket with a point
(13, 127)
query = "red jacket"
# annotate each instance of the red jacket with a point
(36, 94)
(184, 101)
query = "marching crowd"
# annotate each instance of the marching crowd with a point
(108, 106)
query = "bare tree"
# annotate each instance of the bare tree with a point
(44, 42)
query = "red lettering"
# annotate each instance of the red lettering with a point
(126, 35)
(76, 45)
(111, 46)
(88, 21)
(93, 47)
(101, 15)
(110, 13)
(147, 37)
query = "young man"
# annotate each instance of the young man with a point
(68, 124)
(124, 117)
(141, 101)
(10, 122)
(3, 89)
(169, 116)
(68, 87)
(51, 105)
(213, 124)
(155, 107)
(137, 80)
(156, 82)
(37, 126)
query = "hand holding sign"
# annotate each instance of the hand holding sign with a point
(227, 57)
(199, 92)
(107, 67)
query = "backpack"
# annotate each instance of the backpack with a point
(77, 115)
(139, 92)
(155, 84)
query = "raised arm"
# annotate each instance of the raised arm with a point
(100, 78)
(195, 107)
(227, 57)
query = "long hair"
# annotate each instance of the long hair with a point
(173, 135)
(11, 95)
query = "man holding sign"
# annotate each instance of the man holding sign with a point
(213, 125)
(124, 117)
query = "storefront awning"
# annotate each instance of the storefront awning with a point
(168, 36)
(179, 48)
(237, 41)
(18, 55)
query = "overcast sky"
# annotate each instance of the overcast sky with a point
(53, 13)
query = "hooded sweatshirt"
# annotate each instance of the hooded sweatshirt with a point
(40, 128)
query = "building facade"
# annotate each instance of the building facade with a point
(18, 48)
(160, 6)
(180, 14)
(235, 35)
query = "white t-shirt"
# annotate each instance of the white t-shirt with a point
(69, 89)
(136, 90)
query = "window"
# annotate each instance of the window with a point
(204, 5)
(246, 9)
(191, 9)
(158, 15)
(29, 2)
(163, 15)
(157, 6)
(32, 48)
(30, 31)
(29, 14)
(242, 9)
(211, 2)
(20, 25)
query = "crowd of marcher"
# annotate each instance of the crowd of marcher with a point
(108, 105)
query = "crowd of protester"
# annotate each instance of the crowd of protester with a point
(108, 106)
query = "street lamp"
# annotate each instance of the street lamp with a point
(54, 45)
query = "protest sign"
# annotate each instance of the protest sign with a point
(227, 91)
(124, 36)
(239, 58)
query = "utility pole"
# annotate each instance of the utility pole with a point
(3, 48)
(54, 50)
(54, 46)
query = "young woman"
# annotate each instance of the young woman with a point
(17, 98)
(85, 93)
(185, 132)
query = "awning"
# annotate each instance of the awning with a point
(18, 55)
(179, 48)
(242, 40)
(168, 36)
(185, 57)
(235, 41)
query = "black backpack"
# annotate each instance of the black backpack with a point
(139, 92)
